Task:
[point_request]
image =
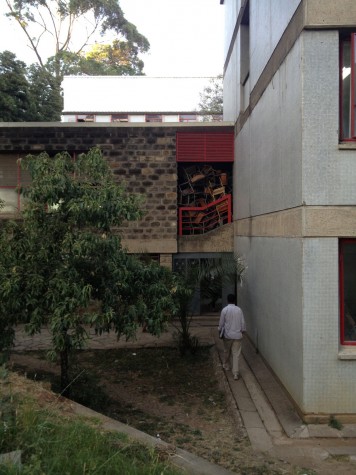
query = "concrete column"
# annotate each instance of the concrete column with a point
(166, 260)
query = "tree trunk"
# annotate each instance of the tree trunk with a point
(65, 387)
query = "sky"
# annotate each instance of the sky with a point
(186, 36)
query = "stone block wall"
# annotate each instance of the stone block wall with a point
(143, 158)
(145, 161)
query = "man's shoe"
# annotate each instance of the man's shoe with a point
(236, 377)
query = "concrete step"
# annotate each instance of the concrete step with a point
(274, 393)
(260, 379)
(260, 438)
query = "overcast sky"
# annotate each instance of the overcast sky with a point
(186, 36)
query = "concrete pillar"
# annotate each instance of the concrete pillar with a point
(166, 260)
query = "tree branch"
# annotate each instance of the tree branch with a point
(88, 36)
(22, 25)
(55, 29)
(69, 33)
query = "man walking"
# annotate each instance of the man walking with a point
(232, 326)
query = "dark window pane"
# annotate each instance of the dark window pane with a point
(120, 118)
(346, 91)
(187, 118)
(348, 291)
(153, 118)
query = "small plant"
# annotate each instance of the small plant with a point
(186, 286)
(335, 423)
(306, 471)
(207, 277)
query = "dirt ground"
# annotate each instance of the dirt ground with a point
(177, 399)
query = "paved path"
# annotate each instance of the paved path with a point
(201, 327)
(257, 399)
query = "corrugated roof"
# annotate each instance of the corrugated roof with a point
(112, 94)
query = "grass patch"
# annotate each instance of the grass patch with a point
(138, 387)
(54, 445)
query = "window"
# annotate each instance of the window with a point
(187, 118)
(119, 118)
(153, 118)
(85, 118)
(347, 87)
(348, 291)
(207, 298)
(12, 177)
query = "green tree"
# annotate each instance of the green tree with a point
(6, 324)
(27, 94)
(120, 58)
(45, 94)
(211, 100)
(69, 37)
(63, 265)
(15, 100)
(207, 277)
(218, 273)
(71, 26)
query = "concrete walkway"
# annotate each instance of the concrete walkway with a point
(271, 420)
(257, 399)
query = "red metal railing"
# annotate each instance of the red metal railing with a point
(202, 219)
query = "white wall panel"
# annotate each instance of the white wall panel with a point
(232, 8)
(269, 166)
(330, 383)
(103, 118)
(329, 174)
(288, 155)
(231, 88)
(274, 317)
(268, 20)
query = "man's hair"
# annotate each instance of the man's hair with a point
(231, 298)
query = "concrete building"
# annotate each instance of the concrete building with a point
(289, 89)
(288, 146)
(133, 99)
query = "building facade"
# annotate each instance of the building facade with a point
(182, 171)
(289, 89)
